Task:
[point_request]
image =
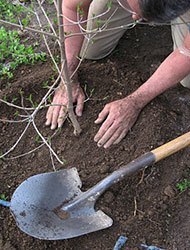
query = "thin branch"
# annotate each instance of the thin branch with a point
(16, 106)
(13, 121)
(28, 28)
(47, 18)
(52, 160)
(46, 143)
(67, 81)
(17, 142)
(27, 153)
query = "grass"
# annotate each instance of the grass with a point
(183, 185)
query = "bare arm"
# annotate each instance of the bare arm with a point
(57, 112)
(73, 44)
(175, 67)
(120, 115)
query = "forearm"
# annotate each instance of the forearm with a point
(175, 67)
(73, 43)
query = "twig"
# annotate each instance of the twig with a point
(28, 28)
(27, 153)
(47, 18)
(19, 139)
(16, 106)
(52, 161)
(47, 144)
(136, 208)
(142, 178)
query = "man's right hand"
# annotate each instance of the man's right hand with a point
(57, 112)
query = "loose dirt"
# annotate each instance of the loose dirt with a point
(146, 207)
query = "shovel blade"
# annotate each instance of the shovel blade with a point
(34, 201)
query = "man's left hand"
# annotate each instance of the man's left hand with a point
(119, 117)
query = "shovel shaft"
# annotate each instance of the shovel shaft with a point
(147, 159)
(172, 147)
(139, 163)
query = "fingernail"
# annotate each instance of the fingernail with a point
(47, 123)
(99, 145)
(79, 114)
(53, 127)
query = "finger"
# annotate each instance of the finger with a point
(55, 115)
(113, 137)
(62, 116)
(102, 115)
(49, 116)
(122, 135)
(80, 105)
(106, 137)
(105, 126)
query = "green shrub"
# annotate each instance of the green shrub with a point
(14, 53)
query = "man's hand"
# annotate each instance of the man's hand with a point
(57, 113)
(120, 117)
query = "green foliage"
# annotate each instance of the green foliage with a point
(3, 197)
(109, 4)
(13, 53)
(14, 99)
(16, 114)
(38, 139)
(45, 85)
(5, 98)
(50, 2)
(183, 185)
(13, 12)
(30, 99)
(80, 10)
(99, 23)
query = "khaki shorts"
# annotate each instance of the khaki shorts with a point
(180, 28)
(97, 45)
(100, 44)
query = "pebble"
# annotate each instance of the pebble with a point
(155, 242)
(150, 212)
(104, 169)
(165, 198)
(124, 217)
(164, 206)
(83, 175)
(169, 191)
(140, 217)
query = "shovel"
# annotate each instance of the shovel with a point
(51, 206)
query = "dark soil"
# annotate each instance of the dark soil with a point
(161, 215)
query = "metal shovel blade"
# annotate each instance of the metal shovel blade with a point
(34, 201)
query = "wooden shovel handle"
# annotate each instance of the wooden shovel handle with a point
(139, 163)
(171, 147)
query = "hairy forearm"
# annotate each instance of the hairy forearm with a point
(73, 43)
(175, 67)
